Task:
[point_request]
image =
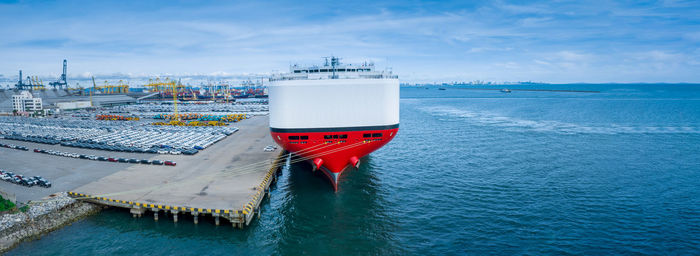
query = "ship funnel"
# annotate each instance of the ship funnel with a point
(317, 163)
(355, 161)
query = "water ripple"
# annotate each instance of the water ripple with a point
(486, 118)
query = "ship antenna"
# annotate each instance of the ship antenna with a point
(335, 62)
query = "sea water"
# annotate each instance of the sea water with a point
(477, 172)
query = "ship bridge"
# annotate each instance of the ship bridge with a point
(333, 69)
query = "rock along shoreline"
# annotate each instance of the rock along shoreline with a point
(42, 217)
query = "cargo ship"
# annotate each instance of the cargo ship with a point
(334, 114)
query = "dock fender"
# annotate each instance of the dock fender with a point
(318, 162)
(355, 161)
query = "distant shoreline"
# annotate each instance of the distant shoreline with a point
(529, 90)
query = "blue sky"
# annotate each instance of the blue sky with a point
(422, 41)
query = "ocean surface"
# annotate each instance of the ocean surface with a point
(471, 172)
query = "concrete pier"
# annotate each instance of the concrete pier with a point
(137, 211)
(227, 180)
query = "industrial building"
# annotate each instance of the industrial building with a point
(9, 100)
(73, 105)
(78, 102)
(26, 102)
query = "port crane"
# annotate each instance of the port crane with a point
(63, 80)
(177, 117)
(94, 87)
(32, 83)
(36, 83)
(107, 88)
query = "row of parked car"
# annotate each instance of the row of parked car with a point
(261, 106)
(106, 159)
(116, 147)
(108, 147)
(36, 139)
(19, 179)
(113, 135)
(56, 129)
(179, 140)
(12, 146)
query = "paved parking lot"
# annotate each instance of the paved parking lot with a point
(220, 177)
(65, 173)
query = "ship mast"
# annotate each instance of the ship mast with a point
(335, 62)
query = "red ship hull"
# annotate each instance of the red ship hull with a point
(332, 150)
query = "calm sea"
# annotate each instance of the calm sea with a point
(471, 172)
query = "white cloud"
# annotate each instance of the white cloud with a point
(85, 75)
(508, 65)
(541, 62)
(660, 56)
(524, 41)
(572, 56)
(534, 21)
(523, 9)
(489, 49)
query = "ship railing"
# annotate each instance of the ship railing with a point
(322, 77)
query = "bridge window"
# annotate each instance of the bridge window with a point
(304, 137)
(366, 135)
(376, 135)
(293, 137)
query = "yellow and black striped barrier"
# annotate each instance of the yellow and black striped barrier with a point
(152, 206)
(262, 187)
